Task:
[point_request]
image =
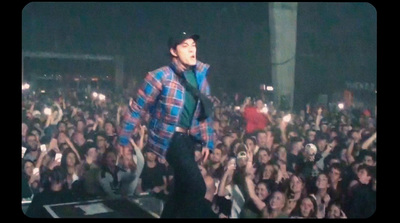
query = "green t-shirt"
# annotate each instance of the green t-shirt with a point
(189, 105)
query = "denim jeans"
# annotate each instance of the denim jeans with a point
(187, 198)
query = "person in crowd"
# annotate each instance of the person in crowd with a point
(110, 175)
(88, 172)
(210, 192)
(296, 190)
(70, 162)
(310, 136)
(256, 117)
(78, 140)
(361, 196)
(251, 143)
(293, 155)
(215, 165)
(153, 178)
(258, 198)
(308, 167)
(275, 206)
(262, 140)
(322, 194)
(102, 143)
(334, 210)
(307, 208)
(33, 148)
(230, 193)
(110, 130)
(29, 182)
(133, 168)
(262, 157)
(336, 173)
(57, 193)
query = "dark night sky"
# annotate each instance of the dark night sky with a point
(336, 42)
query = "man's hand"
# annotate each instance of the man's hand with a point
(204, 153)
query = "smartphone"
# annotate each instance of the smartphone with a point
(237, 108)
(58, 157)
(23, 151)
(35, 171)
(43, 148)
(264, 110)
(47, 111)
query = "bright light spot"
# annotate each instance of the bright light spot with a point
(270, 88)
(94, 94)
(25, 86)
(341, 105)
(287, 118)
(47, 111)
(102, 97)
(42, 91)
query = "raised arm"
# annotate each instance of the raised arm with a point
(246, 102)
(60, 113)
(318, 118)
(73, 147)
(252, 194)
(231, 166)
(349, 152)
(369, 141)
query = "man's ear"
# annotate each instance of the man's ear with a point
(173, 52)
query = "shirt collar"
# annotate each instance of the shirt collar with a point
(175, 64)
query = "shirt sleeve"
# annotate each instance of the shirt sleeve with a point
(146, 96)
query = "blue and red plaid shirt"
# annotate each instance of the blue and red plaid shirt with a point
(162, 95)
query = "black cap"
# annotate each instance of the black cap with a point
(180, 37)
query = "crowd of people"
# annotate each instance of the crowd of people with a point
(267, 162)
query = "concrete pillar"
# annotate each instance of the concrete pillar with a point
(119, 73)
(283, 23)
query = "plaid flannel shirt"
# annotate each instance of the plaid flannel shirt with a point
(162, 95)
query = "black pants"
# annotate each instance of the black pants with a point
(187, 198)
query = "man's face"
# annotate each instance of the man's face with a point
(334, 175)
(259, 104)
(369, 161)
(31, 140)
(262, 139)
(101, 142)
(215, 157)
(363, 176)
(186, 52)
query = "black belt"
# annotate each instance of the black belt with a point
(182, 130)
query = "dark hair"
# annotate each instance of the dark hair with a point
(302, 179)
(57, 175)
(102, 133)
(23, 165)
(370, 169)
(103, 161)
(87, 146)
(294, 140)
(337, 166)
(263, 149)
(371, 154)
(64, 157)
(61, 122)
(232, 146)
(266, 183)
(314, 211)
(252, 138)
